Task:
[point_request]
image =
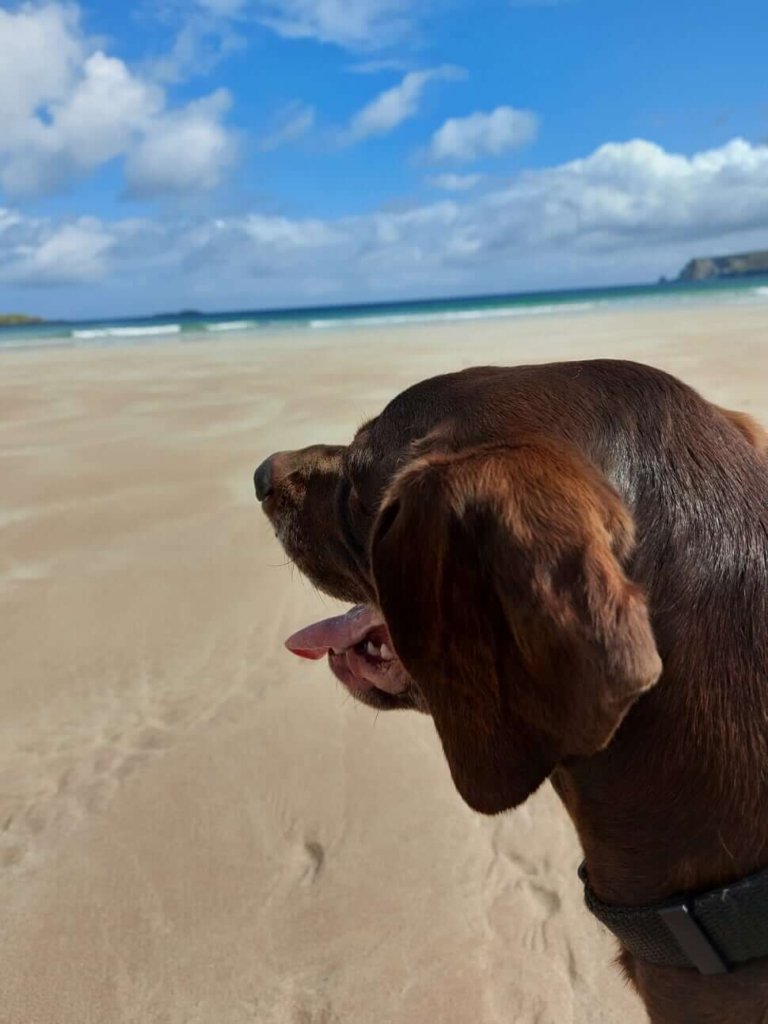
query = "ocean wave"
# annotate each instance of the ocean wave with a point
(762, 292)
(92, 333)
(450, 315)
(230, 325)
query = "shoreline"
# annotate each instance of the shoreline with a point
(169, 328)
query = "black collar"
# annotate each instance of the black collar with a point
(713, 931)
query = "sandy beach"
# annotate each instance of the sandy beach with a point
(197, 828)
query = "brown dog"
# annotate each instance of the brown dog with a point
(565, 565)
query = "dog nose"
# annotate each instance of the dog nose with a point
(264, 478)
(269, 474)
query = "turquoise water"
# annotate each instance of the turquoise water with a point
(190, 326)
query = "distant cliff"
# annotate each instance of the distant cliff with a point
(743, 264)
(17, 319)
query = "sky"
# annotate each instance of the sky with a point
(159, 155)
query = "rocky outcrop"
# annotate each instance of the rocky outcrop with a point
(744, 264)
(17, 319)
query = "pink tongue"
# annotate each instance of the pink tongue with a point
(336, 634)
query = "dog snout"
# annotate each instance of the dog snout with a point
(268, 475)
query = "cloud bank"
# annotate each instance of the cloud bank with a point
(629, 204)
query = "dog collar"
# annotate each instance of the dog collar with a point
(713, 931)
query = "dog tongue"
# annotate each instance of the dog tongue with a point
(336, 634)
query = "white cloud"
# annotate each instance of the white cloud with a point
(183, 151)
(456, 182)
(393, 106)
(480, 134)
(286, 235)
(628, 211)
(353, 24)
(203, 40)
(40, 51)
(95, 121)
(376, 67)
(357, 25)
(293, 123)
(35, 252)
(67, 108)
(630, 193)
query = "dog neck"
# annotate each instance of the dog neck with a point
(673, 816)
(678, 802)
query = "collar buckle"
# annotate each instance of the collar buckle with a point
(692, 939)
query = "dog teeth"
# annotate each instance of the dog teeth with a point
(380, 653)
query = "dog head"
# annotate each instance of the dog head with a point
(486, 559)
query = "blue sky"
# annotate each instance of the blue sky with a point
(246, 153)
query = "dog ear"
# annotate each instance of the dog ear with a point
(499, 574)
(749, 428)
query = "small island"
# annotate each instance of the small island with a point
(18, 320)
(743, 264)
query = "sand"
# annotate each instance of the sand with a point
(196, 828)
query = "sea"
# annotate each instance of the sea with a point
(190, 326)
